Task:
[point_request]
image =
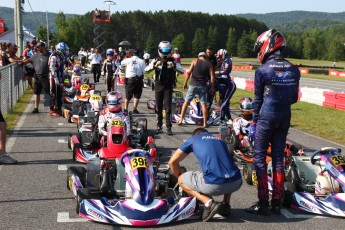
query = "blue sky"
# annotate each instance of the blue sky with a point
(206, 6)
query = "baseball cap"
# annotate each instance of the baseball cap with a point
(41, 44)
(202, 54)
(176, 49)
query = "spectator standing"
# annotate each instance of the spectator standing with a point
(28, 69)
(134, 79)
(40, 62)
(165, 73)
(276, 87)
(8, 56)
(96, 61)
(219, 176)
(201, 73)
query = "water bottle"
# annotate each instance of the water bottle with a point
(322, 185)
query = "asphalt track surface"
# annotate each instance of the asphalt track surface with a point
(33, 193)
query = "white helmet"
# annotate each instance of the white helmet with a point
(146, 56)
(222, 54)
(164, 49)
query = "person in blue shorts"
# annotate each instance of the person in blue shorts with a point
(219, 176)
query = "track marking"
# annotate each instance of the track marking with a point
(60, 124)
(63, 217)
(61, 141)
(289, 215)
(62, 167)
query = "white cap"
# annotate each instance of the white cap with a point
(202, 54)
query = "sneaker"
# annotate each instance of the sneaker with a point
(135, 111)
(225, 209)
(54, 113)
(159, 129)
(7, 159)
(275, 207)
(35, 110)
(169, 132)
(258, 208)
(210, 211)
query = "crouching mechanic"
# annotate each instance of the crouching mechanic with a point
(113, 110)
(219, 176)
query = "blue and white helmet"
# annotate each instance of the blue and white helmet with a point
(61, 47)
(164, 49)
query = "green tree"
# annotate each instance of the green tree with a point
(180, 42)
(212, 37)
(231, 43)
(198, 43)
(41, 33)
(336, 51)
(308, 48)
(244, 47)
(151, 46)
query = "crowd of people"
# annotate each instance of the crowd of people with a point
(267, 115)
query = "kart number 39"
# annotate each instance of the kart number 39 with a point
(139, 162)
(338, 160)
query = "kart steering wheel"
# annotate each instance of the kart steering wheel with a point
(131, 152)
(321, 151)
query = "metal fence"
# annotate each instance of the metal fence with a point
(12, 86)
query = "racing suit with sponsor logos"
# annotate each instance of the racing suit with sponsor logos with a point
(276, 89)
(56, 67)
(225, 86)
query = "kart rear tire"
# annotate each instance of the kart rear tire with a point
(289, 190)
(69, 141)
(172, 179)
(69, 118)
(77, 171)
(248, 170)
(143, 139)
(82, 194)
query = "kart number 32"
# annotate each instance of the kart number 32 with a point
(139, 162)
(338, 160)
(116, 123)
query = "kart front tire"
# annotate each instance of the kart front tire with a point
(77, 171)
(82, 194)
(289, 190)
(248, 170)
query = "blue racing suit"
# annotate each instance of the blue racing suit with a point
(225, 87)
(276, 88)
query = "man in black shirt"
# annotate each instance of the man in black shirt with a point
(40, 62)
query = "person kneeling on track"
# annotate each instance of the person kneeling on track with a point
(219, 176)
(113, 110)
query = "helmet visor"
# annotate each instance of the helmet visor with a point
(165, 51)
(113, 102)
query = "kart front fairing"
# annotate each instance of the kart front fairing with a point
(129, 212)
(332, 205)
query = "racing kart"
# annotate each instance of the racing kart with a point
(176, 104)
(85, 144)
(318, 183)
(195, 116)
(138, 205)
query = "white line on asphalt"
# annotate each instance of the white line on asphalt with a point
(62, 167)
(289, 215)
(63, 217)
(60, 124)
(62, 141)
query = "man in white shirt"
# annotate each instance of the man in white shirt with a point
(96, 61)
(134, 81)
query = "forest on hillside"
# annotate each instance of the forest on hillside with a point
(310, 35)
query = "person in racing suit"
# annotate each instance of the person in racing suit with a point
(113, 110)
(165, 73)
(242, 123)
(108, 69)
(224, 85)
(56, 67)
(276, 89)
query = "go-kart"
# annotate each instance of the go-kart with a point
(325, 172)
(246, 158)
(85, 144)
(176, 103)
(195, 116)
(138, 206)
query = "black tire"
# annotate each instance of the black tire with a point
(78, 171)
(289, 190)
(74, 151)
(82, 194)
(248, 170)
(69, 141)
(172, 179)
(69, 118)
(143, 139)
